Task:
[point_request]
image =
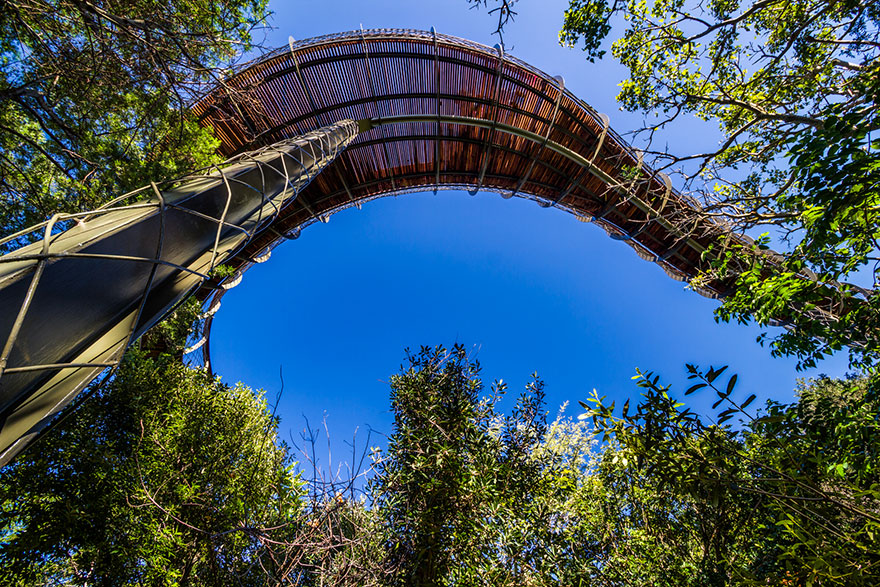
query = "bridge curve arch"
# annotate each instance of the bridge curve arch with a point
(440, 112)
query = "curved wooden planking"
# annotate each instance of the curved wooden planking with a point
(447, 113)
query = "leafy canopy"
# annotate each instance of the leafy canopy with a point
(94, 96)
(788, 497)
(793, 88)
(166, 476)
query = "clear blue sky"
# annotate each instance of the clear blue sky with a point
(529, 289)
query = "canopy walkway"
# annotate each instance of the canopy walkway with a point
(433, 112)
(447, 113)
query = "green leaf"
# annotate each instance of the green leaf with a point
(713, 374)
(731, 384)
(694, 388)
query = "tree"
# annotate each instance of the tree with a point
(789, 497)
(165, 476)
(454, 472)
(94, 96)
(793, 88)
(471, 497)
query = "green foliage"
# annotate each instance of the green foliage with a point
(462, 497)
(94, 97)
(822, 315)
(170, 477)
(165, 476)
(470, 497)
(473, 498)
(793, 87)
(789, 497)
(587, 21)
(222, 271)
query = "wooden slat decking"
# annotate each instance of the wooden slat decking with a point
(382, 74)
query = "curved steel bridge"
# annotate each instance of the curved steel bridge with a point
(447, 113)
(396, 111)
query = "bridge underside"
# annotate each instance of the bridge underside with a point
(452, 114)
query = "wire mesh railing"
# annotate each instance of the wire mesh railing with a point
(75, 299)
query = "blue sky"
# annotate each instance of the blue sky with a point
(527, 288)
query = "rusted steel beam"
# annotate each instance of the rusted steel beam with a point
(537, 151)
(487, 145)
